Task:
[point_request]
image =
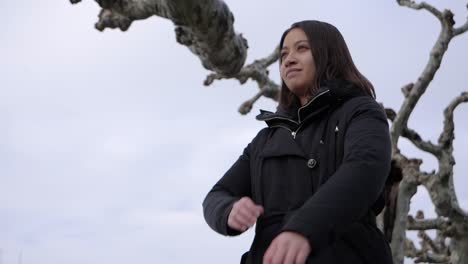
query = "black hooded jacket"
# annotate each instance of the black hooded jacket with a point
(319, 172)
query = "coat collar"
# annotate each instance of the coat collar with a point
(331, 92)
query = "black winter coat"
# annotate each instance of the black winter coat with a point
(320, 173)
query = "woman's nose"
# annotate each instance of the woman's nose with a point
(290, 60)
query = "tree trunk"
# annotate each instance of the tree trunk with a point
(459, 249)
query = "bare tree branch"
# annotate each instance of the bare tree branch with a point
(205, 27)
(419, 87)
(270, 89)
(427, 244)
(110, 19)
(432, 258)
(272, 58)
(437, 223)
(415, 138)
(257, 71)
(414, 92)
(447, 135)
(407, 188)
(442, 191)
(407, 89)
(440, 241)
(440, 186)
(463, 28)
(410, 250)
(411, 134)
(422, 5)
(423, 256)
(247, 105)
(391, 114)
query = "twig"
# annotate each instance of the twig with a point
(247, 105)
(432, 258)
(422, 5)
(426, 224)
(257, 71)
(462, 29)
(415, 138)
(447, 136)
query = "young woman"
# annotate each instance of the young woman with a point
(312, 180)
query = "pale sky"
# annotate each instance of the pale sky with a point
(110, 141)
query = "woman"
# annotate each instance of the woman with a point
(312, 180)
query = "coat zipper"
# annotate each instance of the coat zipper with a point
(293, 132)
(304, 106)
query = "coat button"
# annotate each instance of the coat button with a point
(311, 163)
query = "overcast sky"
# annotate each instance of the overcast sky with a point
(109, 141)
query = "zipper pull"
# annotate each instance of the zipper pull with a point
(293, 133)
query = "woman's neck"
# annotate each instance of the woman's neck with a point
(304, 99)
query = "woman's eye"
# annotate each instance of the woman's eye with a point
(283, 55)
(302, 47)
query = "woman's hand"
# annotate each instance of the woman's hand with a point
(244, 214)
(287, 248)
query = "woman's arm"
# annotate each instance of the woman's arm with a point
(234, 185)
(350, 192)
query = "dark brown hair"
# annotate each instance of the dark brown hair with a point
(332, 60)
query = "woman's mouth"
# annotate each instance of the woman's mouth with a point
(292, 72)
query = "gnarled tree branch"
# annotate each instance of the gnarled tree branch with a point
(436, 223)
(423, 145)
(447, 135)
(432, 258)
(440, 190)
(257, 71)
(205, 27)
(463, 28)
(422, 5)
(408, 187)
(419, 87)
(414, 137)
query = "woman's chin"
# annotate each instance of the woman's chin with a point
(299, 91)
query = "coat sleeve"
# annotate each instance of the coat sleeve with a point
(234, 184)
(350, 192)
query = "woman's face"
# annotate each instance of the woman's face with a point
(297, 67)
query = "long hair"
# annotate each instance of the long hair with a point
(332, 61)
